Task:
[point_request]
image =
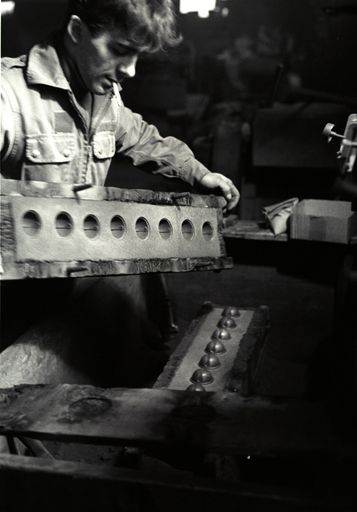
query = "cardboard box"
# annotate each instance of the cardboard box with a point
(322, 220)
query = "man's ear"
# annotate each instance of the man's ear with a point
(75, 28)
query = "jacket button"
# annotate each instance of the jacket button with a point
(35, 153)
(66, 153)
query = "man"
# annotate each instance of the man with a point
(63, 119)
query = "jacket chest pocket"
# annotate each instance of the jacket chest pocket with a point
(58, 148)
(50, 158)
(103, 145)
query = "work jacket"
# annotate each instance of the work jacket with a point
(46, 137)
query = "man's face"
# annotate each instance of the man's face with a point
(104, 59)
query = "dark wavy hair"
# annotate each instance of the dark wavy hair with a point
(148, 24)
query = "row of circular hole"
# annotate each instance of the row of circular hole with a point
(31, 224)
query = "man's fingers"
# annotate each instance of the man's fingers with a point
(235, 198)
(230, 193)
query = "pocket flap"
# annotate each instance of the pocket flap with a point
(103, 145)
(52, 148)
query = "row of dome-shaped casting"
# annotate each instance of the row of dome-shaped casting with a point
(210, 360)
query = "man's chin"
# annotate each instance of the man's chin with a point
(101, 87)
(101, 90)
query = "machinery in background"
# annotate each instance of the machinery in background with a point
(346, 290)
(347, 183)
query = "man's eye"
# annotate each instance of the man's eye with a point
(118, 51)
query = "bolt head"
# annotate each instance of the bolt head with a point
(196, 387)
(215, 347)
(227, 322)
(209, 361)
(202, 376)
(221, 334)
(231, 311)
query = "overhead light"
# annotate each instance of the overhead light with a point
(7, 8)
(202, 7)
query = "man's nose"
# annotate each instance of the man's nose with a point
(128, 66)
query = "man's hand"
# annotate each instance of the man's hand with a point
(230, 192)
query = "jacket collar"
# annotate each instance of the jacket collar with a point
(44, 67)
